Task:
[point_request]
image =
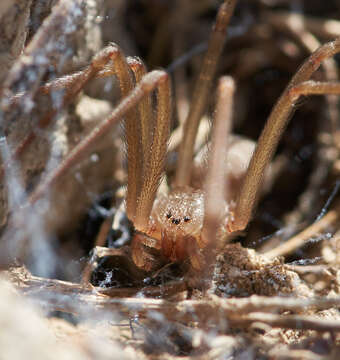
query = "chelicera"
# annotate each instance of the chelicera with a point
(184, 223)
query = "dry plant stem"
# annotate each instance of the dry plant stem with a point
(329, 28)
(271, 135)
(132, 138)
(291, 322)
(148, 84)
(201, 92)
(84, 295)
(145, 110)
(336, 236)
(69, 297)
(103, 232)
(180, 83)
(214, 186)
(288, 354)
(321, 270)
(52, 27)
(326, 28)
(43, 50)
(71, 85)
(5, 5)
(300, 239)
(155, 167)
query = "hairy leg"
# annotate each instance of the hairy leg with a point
(214, 204)
(148, 84)
(154, 167)
(201, 93)
(273, 130)
(147, 121)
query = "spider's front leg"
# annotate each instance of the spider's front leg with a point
(175, 242)
(185, 224)
(147, 139)
(148, 83)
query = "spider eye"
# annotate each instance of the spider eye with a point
(186, 218)
(168, 215)
(176, 221)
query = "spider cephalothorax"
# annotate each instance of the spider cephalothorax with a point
(175, 227)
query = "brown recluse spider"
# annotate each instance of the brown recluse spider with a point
(184, 223)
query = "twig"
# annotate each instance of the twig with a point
(291, 321)
(69, 297)
(5, 5)
(300, 239)
(287, 354)
(327, 28)
(295, 24)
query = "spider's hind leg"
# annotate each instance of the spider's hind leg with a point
(275, 126)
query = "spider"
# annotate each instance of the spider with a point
(187, 223)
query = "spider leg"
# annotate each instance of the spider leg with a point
(274, 128)
(197, 259)
(132, 135)
(140, 255)
(312, 87)
(141, 251)
(153, 168)
(71, 85)
(147, 120)
(214, 207)
(201, 92)
(149, 82)
(155, 134)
